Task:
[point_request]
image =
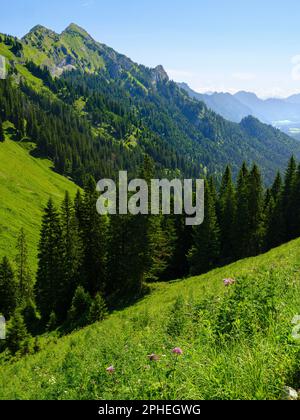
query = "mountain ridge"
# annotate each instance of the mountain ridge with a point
(137, 108)
(282, 113)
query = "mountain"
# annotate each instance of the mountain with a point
(199, 315)
(281, 113)
(224, 104)
(26, 185)
(101, 112)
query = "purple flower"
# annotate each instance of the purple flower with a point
(110, 369)
(177, 350)
(228, 282)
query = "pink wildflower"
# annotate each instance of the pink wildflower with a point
(228, 282)
(110, 369)
(177, 350)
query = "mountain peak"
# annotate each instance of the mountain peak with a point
(160, 74)
(40, 29)
(73, 28)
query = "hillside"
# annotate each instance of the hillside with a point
(26, 185)
(236, 341)
(125, 110)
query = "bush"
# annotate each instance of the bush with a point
(18, 338)
(98, 309)
(80, 307)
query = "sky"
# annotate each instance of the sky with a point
(213, 45)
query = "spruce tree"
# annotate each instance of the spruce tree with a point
(18, 338)
(241, 229)
(275, 223)
(8, 289)
(287, 199)
(72, 254)
(205, 251)
(255, 212)
(94, 238)
(226, 215)
(50, 264)
(98, 309)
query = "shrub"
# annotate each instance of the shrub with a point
(98, 309)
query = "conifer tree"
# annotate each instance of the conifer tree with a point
(8, 289)
(275, 224)
(72, 253)
(255, 212)
(98, 309)
(18, 338)
(241, 229)
(287, 199)
(50, 264)
(94, 238)
(227, 214)
(205, 251)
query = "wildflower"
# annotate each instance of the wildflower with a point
(154, 357)
(110, 369)
(177, 350)
(228, 282)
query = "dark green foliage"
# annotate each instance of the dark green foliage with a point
(72, 251)
(205, 252)
(80, 307)
(226, 210)
(255, 212)
(241, 229)
(52, 323)
(98, 309)
(8, 289)
(18, 338)
(49, 293)
(1, 132)
(93, 230)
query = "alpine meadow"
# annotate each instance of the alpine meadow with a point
(136, 302)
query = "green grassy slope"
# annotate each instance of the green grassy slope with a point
(26, 183)
(256, 359)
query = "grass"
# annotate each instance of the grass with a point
(26, 183)
(237, 341)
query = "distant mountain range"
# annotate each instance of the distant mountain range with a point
(281, 113)
(92, 110)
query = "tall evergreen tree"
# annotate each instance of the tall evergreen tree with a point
(50, 263)
(255, 212)
(287, 199)
(8, 289)
(205, 252)
(72, 253)
(94, 238)
(241, 229)
(226, 215)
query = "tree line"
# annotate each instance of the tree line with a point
(88, 262)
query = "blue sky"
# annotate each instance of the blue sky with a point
(222, 45)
